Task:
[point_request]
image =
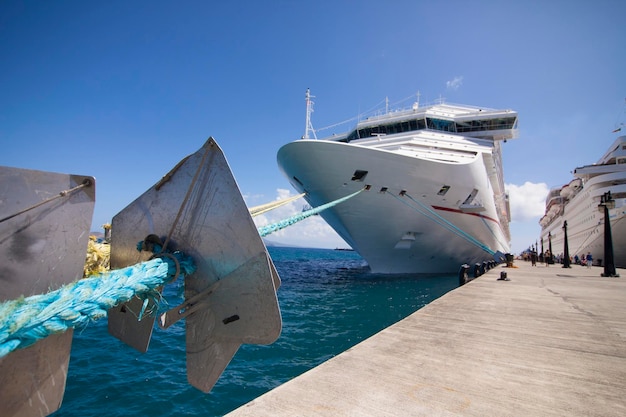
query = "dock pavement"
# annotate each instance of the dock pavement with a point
(550, 341)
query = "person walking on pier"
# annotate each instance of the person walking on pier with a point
(589, 259)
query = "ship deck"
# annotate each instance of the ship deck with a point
(548, 342)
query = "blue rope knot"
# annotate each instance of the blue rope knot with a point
(26, 320)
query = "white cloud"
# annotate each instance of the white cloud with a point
(527, 201)
(455, 83)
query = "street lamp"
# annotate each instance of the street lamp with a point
(566, 262)
(606, 203)
(550, 259)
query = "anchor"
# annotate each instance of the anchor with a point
(196, 208)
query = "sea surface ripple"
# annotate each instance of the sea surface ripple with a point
(329, 302)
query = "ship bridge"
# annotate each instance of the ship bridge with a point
(465, 120)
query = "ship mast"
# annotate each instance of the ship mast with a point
(309, 110)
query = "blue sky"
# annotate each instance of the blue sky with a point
(123, 90)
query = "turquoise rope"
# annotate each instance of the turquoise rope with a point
(271, 228)
(27, 320)
(492, 232)
(432, 215)
(455, 229)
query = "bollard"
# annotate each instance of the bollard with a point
(463, 278)
(477, 270)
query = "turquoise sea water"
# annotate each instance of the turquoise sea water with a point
(329, 302)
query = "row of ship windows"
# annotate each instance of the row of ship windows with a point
(434, 124)
(359, 175)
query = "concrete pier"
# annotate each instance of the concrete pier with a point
(550, 341)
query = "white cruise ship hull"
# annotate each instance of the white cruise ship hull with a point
(401, 223)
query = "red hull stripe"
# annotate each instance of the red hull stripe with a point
(462, 212)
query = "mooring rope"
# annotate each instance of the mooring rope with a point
(64, 193)
(432, 215)
(492, 232)
(271, 228)
(588, 235)
(190, 189)
(27, 320)
(264, 208)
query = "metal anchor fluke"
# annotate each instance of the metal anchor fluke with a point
(231, 298)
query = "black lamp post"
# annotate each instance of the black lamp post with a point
(541, 254)
(550, 259)
(566, 262)
(606, 203)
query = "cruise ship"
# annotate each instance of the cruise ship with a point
(579, 204)
(432, 184)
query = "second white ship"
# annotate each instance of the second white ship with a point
(433, 183)
(580, 205)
